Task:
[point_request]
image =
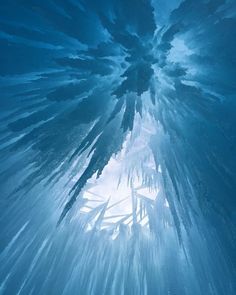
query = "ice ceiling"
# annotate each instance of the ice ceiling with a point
(118, 147)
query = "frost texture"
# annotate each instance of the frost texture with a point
(118, 147)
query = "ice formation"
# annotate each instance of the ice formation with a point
(117, 144)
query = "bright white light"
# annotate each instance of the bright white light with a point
(125, 178)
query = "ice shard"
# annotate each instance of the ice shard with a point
(117, 147)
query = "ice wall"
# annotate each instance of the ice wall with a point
(117, 147)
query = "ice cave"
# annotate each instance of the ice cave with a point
(117, 147)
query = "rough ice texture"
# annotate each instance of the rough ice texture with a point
(144, 90)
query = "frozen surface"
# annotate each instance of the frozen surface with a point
(117, 147)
